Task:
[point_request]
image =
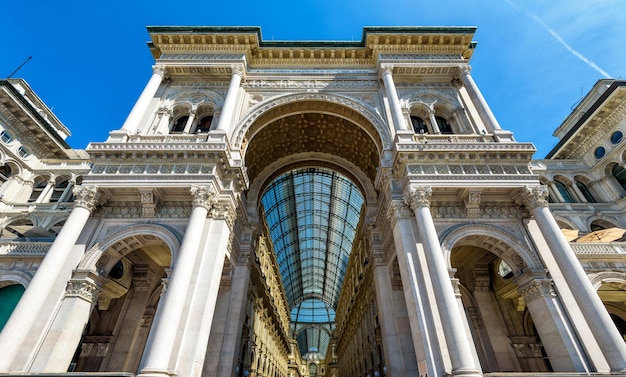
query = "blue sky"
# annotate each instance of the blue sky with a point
(535, 58)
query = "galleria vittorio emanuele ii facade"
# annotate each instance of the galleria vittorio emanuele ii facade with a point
(312, 209)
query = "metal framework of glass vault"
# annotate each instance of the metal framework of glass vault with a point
(312, 215)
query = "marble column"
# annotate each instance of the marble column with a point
(192, 353)
(392, 95)
(433, 123)
(479, 101)
(592, 308)
(17, 329)
(64, 334)
(158, 351)
(46, 193)
(192, 117)
(422, 321)
(557, 336)
(577, 192)
(228, 108)
(141, 106)
(459, 346)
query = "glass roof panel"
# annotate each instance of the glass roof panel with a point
(312, 215)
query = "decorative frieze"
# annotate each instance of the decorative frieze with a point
(312, 84)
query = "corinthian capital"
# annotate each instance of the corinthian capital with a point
(84, 289)
(86, 197)
(204, 196)
(238, 69)
(398, 210)
(385, 69)
(418, 196)
(533, 196)
(160, 70)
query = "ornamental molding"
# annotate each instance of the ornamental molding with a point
(371, 84)
(503, 243)
(410, 58)
(22, 249)
(428, 95)
(115, 237)
(369, 113)
(215, 98)
(596, 129)
(229, 58)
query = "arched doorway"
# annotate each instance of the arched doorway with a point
(311, 167)
(119, 324)
(500, 322)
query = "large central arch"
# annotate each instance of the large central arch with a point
(312, 164)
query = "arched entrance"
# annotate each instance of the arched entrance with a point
(132, 270)
(311, 167)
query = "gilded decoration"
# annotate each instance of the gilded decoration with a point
(313, 133)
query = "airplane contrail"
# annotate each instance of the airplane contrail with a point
(558, 38)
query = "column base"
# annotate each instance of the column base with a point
(466, 373)
(150, 372)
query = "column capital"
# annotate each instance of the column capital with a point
(84, 289)
(398, 210)
(224, 210)
(203, 196)
(86, 197)
(464, 70)
(238, 69)
(533, 196)
(418, 196)
(385, 69)
(160, 70)
(537, 288)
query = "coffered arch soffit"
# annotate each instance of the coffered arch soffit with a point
(500, 242)
(312, 128)
(347, 108)
(128, 239)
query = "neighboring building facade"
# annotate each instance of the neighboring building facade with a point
(312, 209)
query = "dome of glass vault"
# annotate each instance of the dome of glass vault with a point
(312, 215)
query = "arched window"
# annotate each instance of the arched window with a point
(585, 191)
(620, 174)
(205, 124)
(563, 191)
(444, 126)
(179, 124)
(9, 296)
(5, 173)
(419, 126)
